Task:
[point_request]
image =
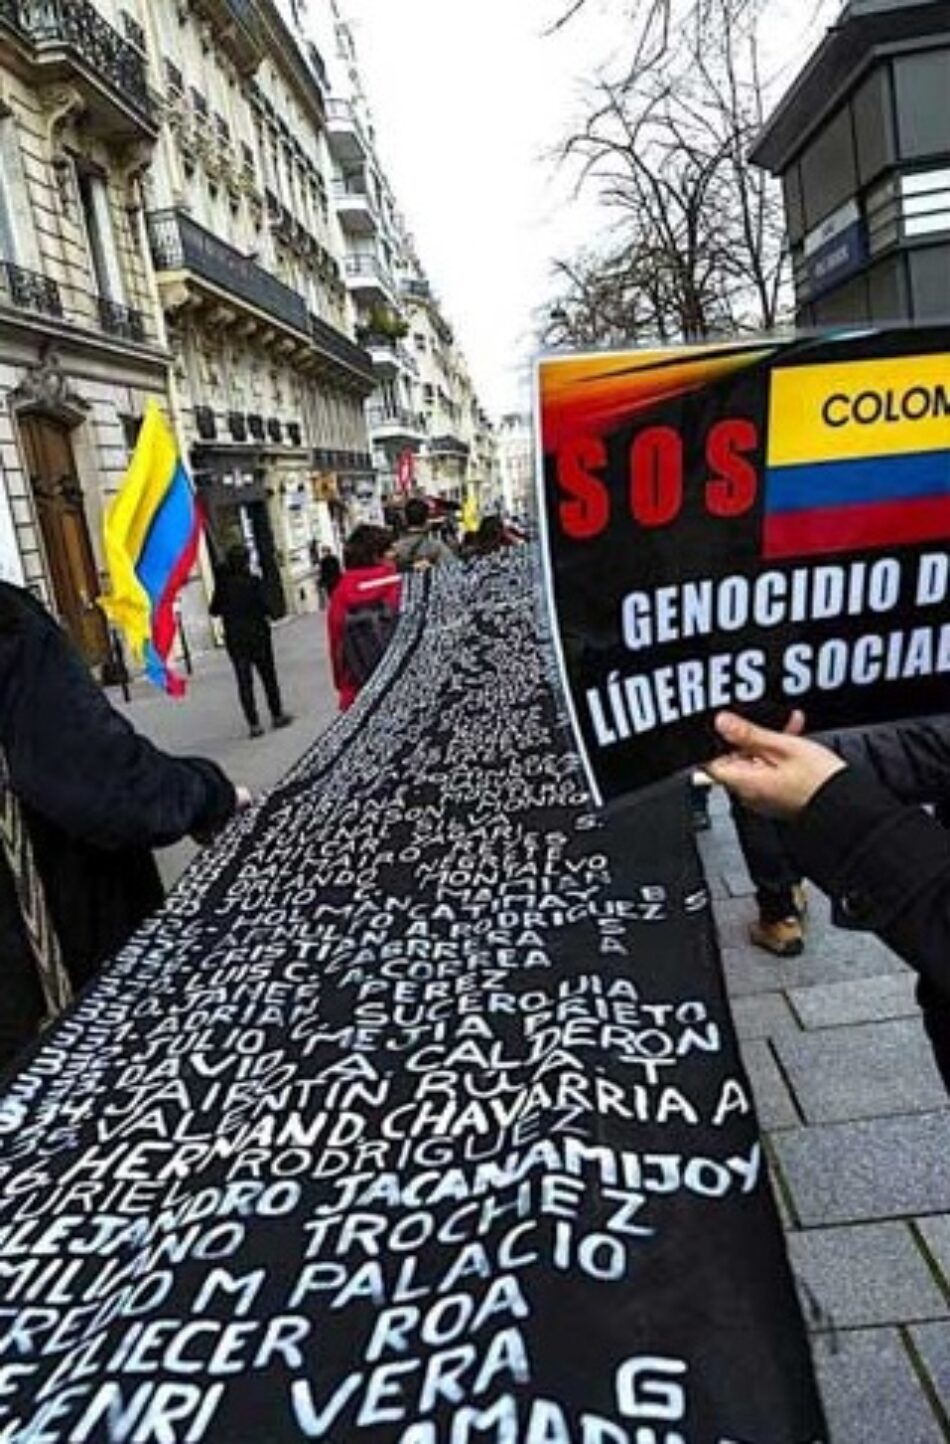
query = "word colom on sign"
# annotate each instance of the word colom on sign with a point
(656, 477)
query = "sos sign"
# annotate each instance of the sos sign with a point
(655, 477)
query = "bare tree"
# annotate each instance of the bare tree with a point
(696, 240)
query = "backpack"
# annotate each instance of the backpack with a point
(367, 628)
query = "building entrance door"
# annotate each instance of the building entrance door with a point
(62, 517)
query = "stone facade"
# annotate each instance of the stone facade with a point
(166, 231)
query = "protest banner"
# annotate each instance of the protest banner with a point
(416, 1116)
(762, 526)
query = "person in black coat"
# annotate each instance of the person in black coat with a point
(95, 797)
(240, 600)
(329, 572)
(884, 863)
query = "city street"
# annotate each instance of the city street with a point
(856, 1117)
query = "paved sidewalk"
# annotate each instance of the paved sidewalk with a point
(858, 1132)
(208, 722)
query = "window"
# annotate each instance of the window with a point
(100, 236)
(419, 341)
(930, 280)
(922, 83)
(829, 173)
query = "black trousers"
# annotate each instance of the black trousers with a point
(257, 658)
(769, 863)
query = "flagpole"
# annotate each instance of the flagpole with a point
(172, 397)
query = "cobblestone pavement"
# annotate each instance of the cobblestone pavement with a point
(858, 1133)
(856, 1118)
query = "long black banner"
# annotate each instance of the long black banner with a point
(416, 1116)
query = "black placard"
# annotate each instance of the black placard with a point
(763, 527)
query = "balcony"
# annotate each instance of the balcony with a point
(180, 244)
(121, 321)
(369, 281)
(334, 344)
(449, 448)
(237, 29)
(383, 352)
(26, 291)
(186, 254)
(415, 290)
(355, 208)
(345, 133)
(70, 40)
(393, 423)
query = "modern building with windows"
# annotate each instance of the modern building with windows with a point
(861, 143)
(167, 231)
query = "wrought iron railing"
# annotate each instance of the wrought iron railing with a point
(392, 418)
(179, 243)
(333, 343)
(11, 11)
(418, 290)
(447, 445)
(78, 24)
(366, 267)
(121, 321)
(29, 291)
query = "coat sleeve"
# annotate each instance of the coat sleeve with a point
(336, 613)
(888, 865)
(77, 762)
(911, 759)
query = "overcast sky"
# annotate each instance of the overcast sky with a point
(469, 100)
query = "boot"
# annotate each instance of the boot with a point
(783, 938)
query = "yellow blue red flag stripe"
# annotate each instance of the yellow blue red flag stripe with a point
(858, 457)
(152, 532)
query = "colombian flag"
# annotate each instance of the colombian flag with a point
(152, 530)
(858, 456)
(471, 517)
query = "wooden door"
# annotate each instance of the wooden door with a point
(62, 517)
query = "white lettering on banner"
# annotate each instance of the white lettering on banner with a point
(401, 1074)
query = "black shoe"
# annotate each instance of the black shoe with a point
(256, 729)
(283, 719)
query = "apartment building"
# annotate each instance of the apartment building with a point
(516, 464)
(167, 230)
(424, 418)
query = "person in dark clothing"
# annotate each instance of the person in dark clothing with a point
(329, 572)
(241, 602)
(95, 798)
(886, 864)
(418, 549)
(777, 879)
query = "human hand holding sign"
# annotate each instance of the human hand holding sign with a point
(777, 773)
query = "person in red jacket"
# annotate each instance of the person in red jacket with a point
(362, 609)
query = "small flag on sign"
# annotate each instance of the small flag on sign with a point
(152, 530)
